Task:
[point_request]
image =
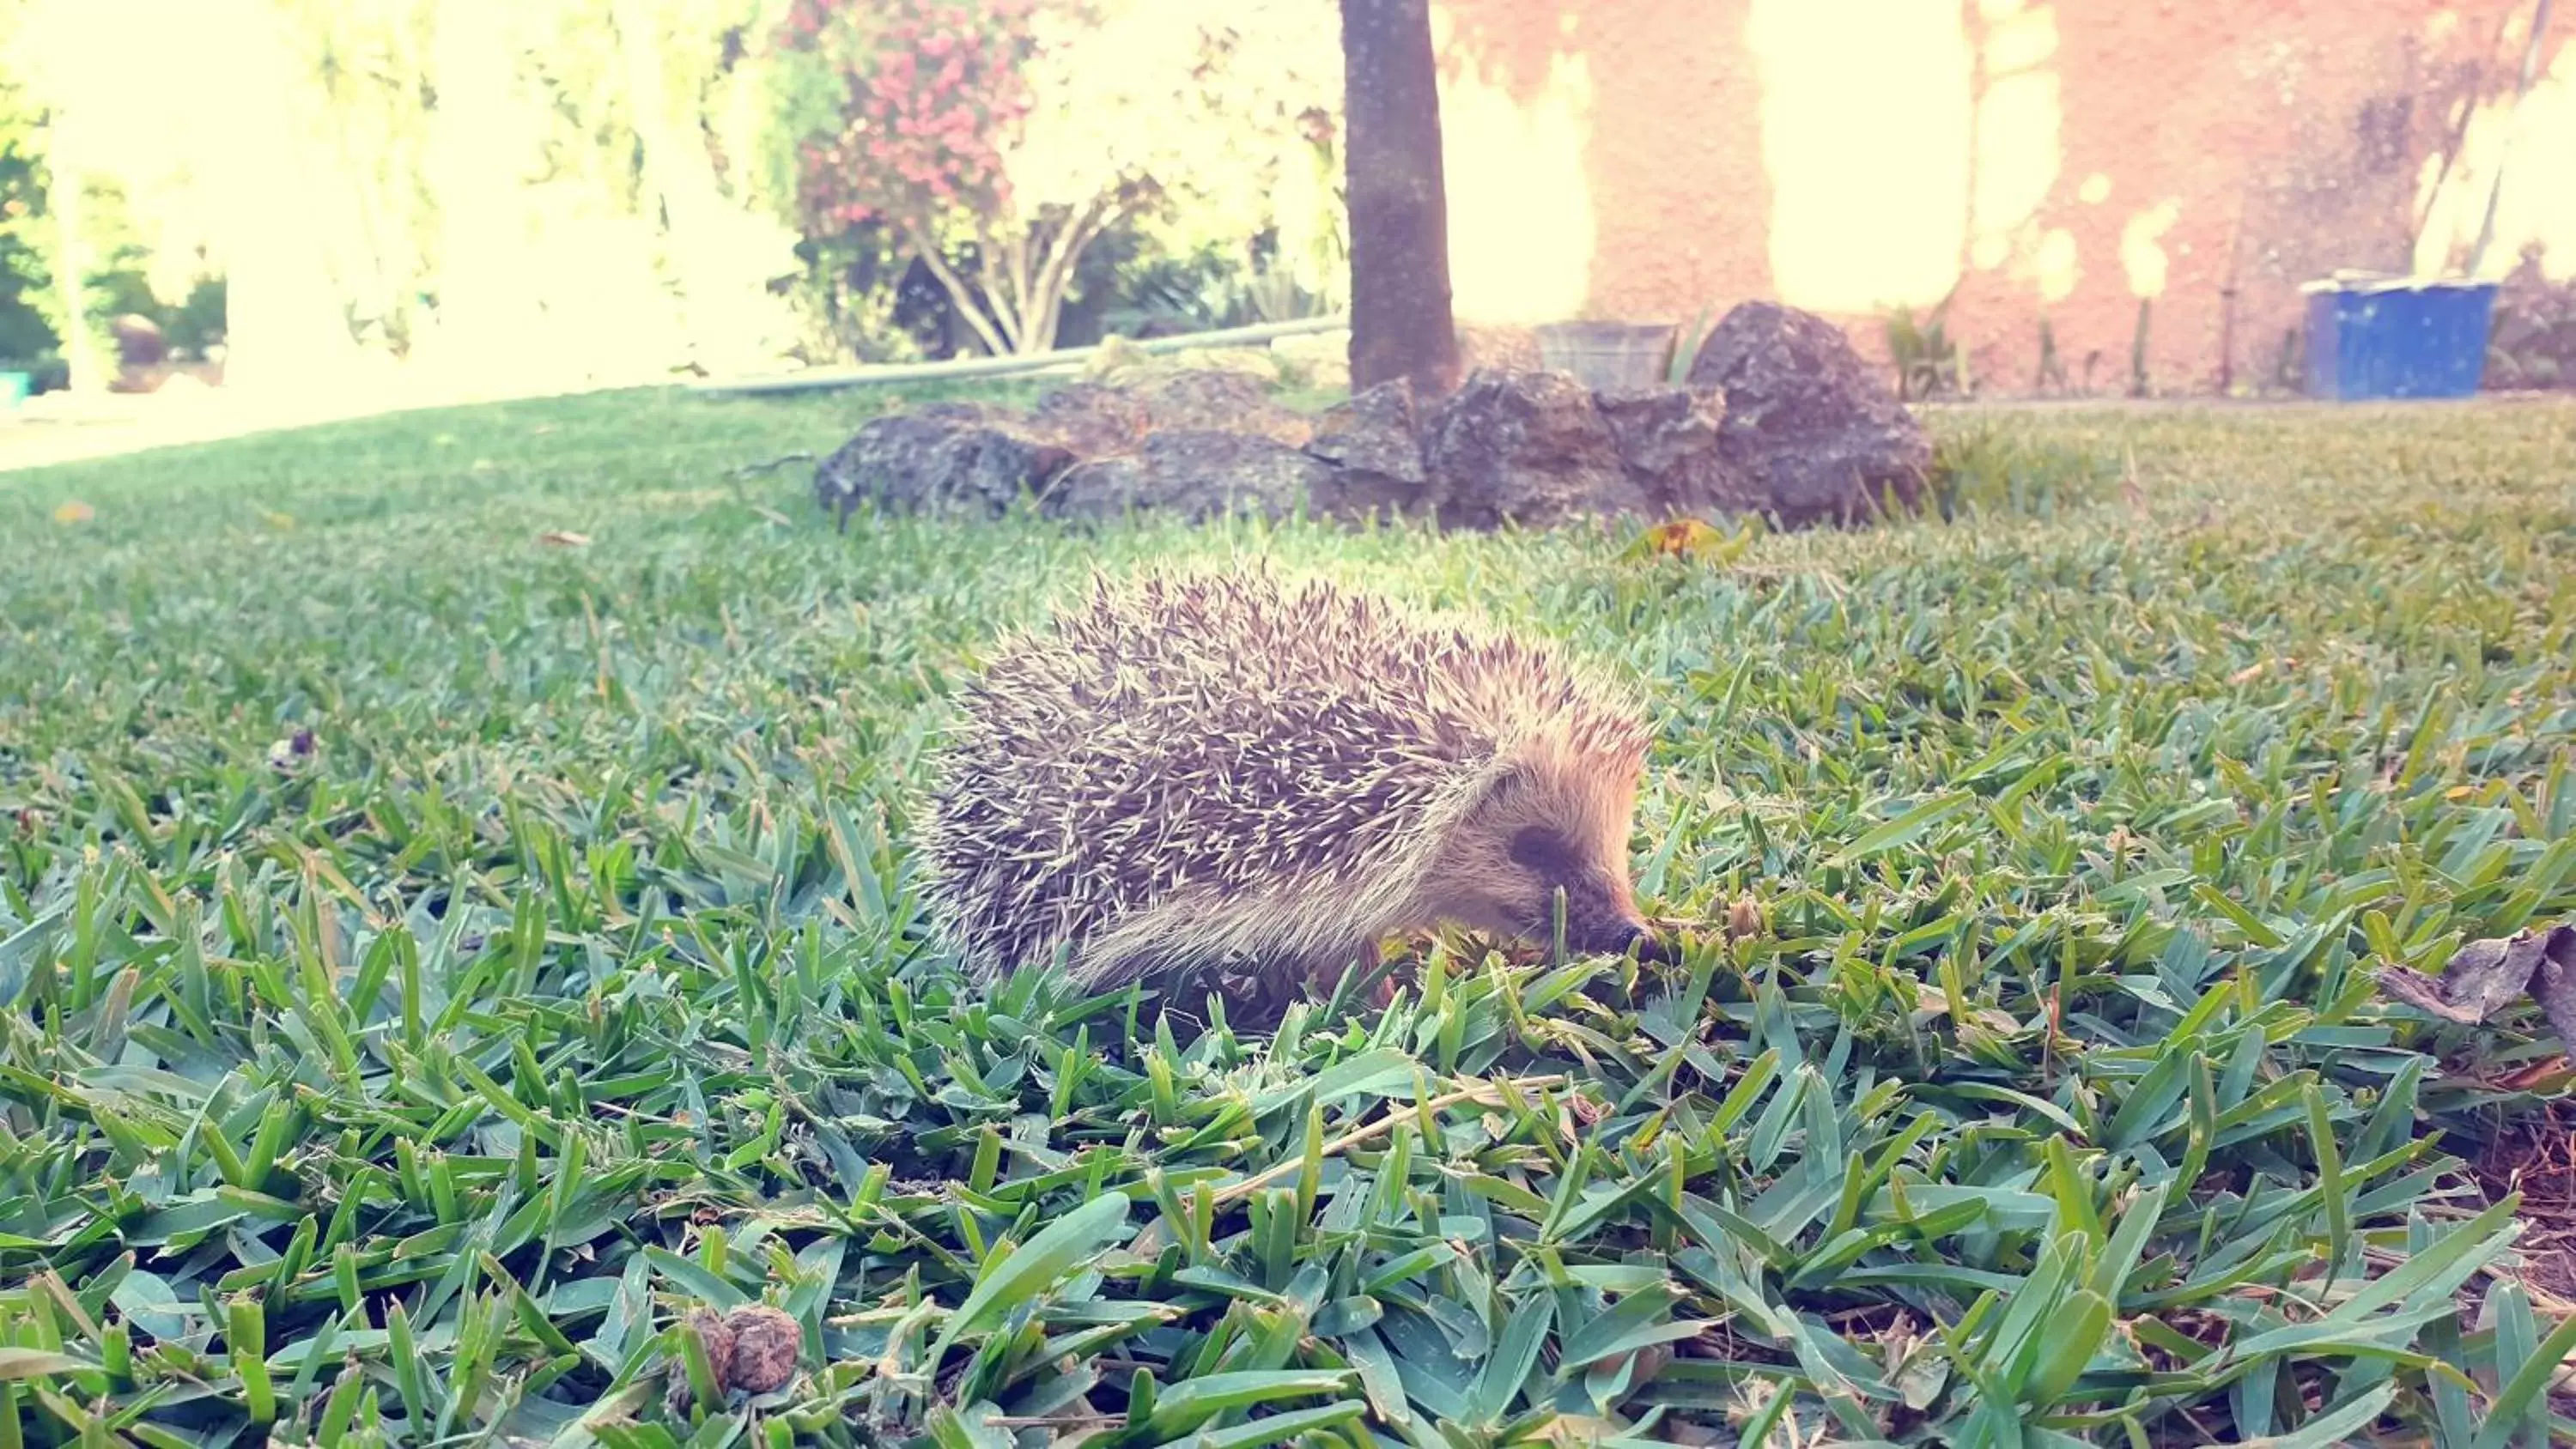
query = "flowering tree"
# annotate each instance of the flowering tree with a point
(1002, 137)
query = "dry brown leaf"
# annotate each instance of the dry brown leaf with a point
(1743, 918)
(2537, 1076)
(75, 512)
(1682, 537)
(2485, 977)
(564, 538)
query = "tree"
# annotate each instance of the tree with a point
(43, 31)
(1400, 318)
(1001, 138)
(25, 334)
(919, 99)
(677, 60)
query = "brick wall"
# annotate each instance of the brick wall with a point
(2025, 159)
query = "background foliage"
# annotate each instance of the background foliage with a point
(894, 177)
(1000, 139)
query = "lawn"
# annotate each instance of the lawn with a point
(442, 953)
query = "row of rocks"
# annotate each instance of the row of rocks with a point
(1778, 416)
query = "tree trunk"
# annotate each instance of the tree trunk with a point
(1400, 320)
(490, 327)
(71, 265)
(59, 41)
(724, 313)
(286, 325)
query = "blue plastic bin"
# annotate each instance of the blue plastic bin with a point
(2397, 337)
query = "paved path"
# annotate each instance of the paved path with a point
(50, 431)
(57, 429)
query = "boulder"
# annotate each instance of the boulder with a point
(1817, 434)
(1091, 420)
(1376, 457)
(940, 458)
(1667, 440)
(1782, 417)
(1207, 400)
(1529, 448)
(1193, 474)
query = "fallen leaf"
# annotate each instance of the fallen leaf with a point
(1743, 918)
(1932, 1001)
(1683, 536)
(282, 522)
(75, 512)
(1686, 538)
(2549, 1074)
(2485, 977)
(562, 538)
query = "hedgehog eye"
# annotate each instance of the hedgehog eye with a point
(1537, 848)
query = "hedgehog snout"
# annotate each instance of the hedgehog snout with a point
(1598, 922)
(1612, 936)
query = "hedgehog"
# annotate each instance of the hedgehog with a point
(1249, 781)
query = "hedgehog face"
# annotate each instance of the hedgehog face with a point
(1544, 826)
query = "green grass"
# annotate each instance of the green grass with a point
(410, 1088)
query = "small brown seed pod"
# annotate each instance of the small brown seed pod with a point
(766, 1345)
(754, 1349)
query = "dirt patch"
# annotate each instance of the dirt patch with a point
(2536, 1156)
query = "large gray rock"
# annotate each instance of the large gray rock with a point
(1096, 420)
(1781, 418)
(1091, 420)
(1376, 457)
(1210, 400)
(1668, 442)
(954, 458)
(1817, 434)
(1529, 448)
(1195, 475)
